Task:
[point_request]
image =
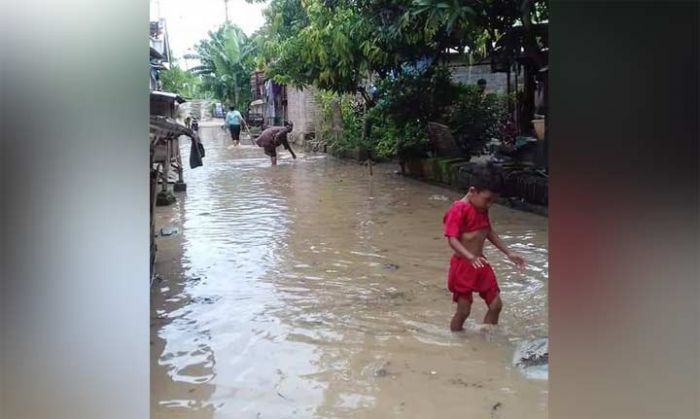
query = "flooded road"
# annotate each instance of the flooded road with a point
(313, 290)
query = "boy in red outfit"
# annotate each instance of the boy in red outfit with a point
(467, 226)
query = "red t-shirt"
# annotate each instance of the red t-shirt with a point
(462, 217)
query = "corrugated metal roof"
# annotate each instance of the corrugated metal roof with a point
(156, 94)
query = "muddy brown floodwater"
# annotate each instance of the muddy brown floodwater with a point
(313, 290)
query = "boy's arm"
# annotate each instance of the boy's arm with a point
(496, 240)
(493, 238)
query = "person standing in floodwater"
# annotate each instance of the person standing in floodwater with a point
(467, 226)
(272, 138)
(233, 121)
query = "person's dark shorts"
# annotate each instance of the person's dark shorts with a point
(235, 132)
(271, 151)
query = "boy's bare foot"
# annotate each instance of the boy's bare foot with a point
(457, 323)
(487, 327)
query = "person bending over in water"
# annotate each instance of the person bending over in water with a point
(272, 138)
(467, 226)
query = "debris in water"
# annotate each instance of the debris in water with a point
(533, 353)
(532, 358)
(391, 266)
(460, 382)
(204, 300)
(168, 231)
(495, 408)
(163, 199)
(393, 294)
(378, 370)
(438, 198)
(433, 372)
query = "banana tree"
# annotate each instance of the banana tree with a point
(226, 62)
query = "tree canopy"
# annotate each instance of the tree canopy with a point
(336, 44)
(180, 81)
(227, 58)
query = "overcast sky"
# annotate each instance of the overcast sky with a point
(189, 20)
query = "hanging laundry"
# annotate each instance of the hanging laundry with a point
(196, 154)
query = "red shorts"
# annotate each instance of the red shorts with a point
(463, 279)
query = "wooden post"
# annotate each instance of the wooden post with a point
(510, 105)
(529, 98)
(517, 99)
(153, 177)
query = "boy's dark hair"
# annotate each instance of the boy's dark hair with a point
(481, 81)
(487, 178)
(232, 108)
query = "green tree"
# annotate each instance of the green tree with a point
(227, 58)
(478, 25)
(310, 43)
(180, 81)
(338, 45)
(335, 44)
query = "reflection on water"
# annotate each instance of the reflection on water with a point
(315, 290)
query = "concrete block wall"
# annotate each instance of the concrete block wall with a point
(301, 109)
(527, 191)
(465, 74)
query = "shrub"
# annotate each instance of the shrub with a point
(475, 119)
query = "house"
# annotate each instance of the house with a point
(164, 131)
(470, 73)
(160, 56)
(279, 103)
